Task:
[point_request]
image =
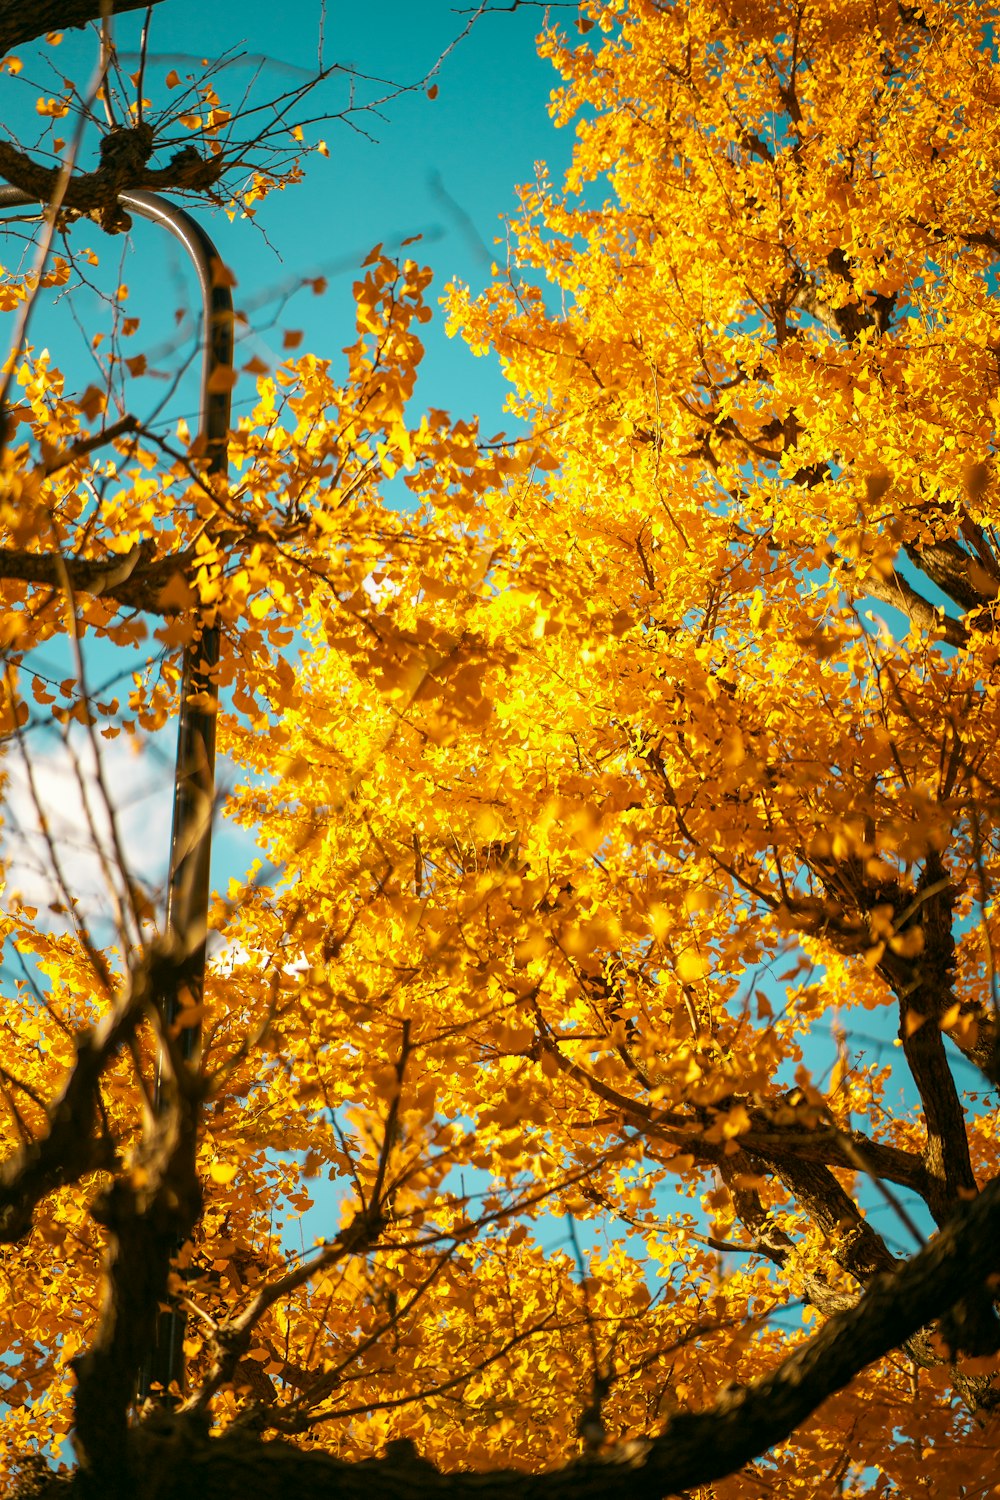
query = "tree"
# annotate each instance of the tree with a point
(597, 791)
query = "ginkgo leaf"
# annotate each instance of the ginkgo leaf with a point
(691, 966)
(600, 1017)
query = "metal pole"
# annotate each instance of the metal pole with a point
(194, 782)
(194, 777)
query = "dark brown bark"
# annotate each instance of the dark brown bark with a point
(22, 20)
(769, 1134)
(946, 1153)
(923, 988)
(982, 1045)
(895, 590)
(922, 984)
(145, 1215)
(134, 580)
(97, 192)
(947, 564)
(854, 1243)
(831, 1147)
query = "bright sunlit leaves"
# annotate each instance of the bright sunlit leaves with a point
(610, 835)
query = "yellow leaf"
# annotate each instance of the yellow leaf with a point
(909, 943)
(222, 379)
(691, 966)
(176, 594)
(702, 898)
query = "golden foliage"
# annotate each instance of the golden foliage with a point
(591, 786)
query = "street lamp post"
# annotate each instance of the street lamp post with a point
(194, 777)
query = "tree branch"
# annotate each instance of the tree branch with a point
(147, 1212)
(122, 169)
(134, 579)
(901, 595)
(922, 986)
(823, 1144)
(20, 23)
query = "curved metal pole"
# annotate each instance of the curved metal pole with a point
(194, 783)
(194, 778)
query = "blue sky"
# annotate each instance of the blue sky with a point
(445, 168)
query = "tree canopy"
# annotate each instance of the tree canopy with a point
(621, 982)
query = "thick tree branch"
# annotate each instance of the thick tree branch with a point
(923, 988)
(21, 22)
(955, 572)
(978, 1038)
(766, 1136)
(135, 579)
(901, 595)
(832, 1147)
(854, 1244)
(921, 982)
(146, 1213)
(97, 192)
(773, 1241)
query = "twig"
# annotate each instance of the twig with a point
(51, 216)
